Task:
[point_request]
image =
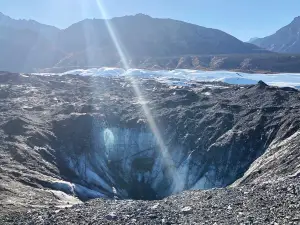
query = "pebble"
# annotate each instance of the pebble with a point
(111, 216)
(155, 206)
(186, 210)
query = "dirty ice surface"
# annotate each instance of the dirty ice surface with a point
(186, 77)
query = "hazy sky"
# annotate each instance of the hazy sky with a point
(241, 18)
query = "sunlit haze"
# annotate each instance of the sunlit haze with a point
(242, 19)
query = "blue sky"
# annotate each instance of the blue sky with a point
(241, 18)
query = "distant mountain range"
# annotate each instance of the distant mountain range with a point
(28, 46)
(253, 39)
(42, 29)
(285, 40)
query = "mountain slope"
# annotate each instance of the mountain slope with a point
(25, 50)
(89, 43)
(251, 40)
(47, 31)
(143, 36)
(27, 45)
(285, 40)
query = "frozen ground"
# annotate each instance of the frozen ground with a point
(185, 77)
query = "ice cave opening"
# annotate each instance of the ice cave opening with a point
(116, 162)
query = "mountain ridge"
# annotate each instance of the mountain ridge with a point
(284, 40)
(89, 43)
(23, 24)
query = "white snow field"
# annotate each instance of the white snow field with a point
(186, 77)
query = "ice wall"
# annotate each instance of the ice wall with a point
(128, 163)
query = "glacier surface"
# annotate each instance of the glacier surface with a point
(124, 162)
(186, 76)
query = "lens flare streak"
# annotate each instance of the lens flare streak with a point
(153, 126)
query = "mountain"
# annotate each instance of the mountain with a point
(47, 31)
(142, 36)
(27, 45)
(252, 39)
(89, 42)
(26, 50)
(285, 40)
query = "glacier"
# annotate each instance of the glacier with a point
(124, 162)
(187, 76)
(128, 163)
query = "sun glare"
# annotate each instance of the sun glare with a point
(167, 159)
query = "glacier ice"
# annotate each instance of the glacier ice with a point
(186, 76)
(127, 163)
(183, 77)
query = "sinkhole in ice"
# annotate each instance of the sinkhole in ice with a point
(127, 163)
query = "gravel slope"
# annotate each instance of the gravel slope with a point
(268, 203)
